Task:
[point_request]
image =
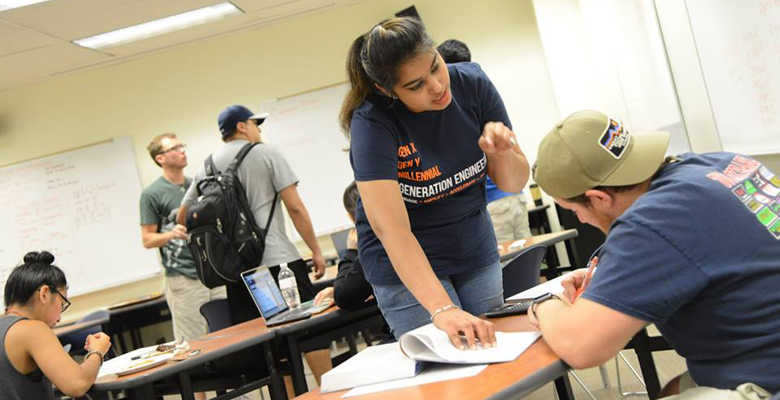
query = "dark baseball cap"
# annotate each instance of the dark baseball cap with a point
(231, 116)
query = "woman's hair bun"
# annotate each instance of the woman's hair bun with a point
(39, 257)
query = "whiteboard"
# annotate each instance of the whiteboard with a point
(81, 206)
(306, 130)
(739, 50)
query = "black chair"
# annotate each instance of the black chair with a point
(78, 338)
(522, 272)
(217, 314)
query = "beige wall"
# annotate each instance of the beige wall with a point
(183, 89)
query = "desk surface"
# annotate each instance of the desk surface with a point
(214, 345)
(538, 208)
(66, 329)
(546, 239)
(534, 368)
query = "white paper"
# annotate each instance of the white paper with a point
(434, 373)
(553, 286)
(375, 364)
(517, 245)
(429, 343)
(119, 363)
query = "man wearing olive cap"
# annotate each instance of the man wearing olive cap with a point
(693, 246)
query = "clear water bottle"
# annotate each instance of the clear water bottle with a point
(289, 286)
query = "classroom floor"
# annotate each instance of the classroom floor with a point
(668, 363)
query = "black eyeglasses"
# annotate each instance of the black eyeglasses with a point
(178, 148)
(65, 302)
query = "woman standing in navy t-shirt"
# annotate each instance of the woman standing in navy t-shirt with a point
(423, 136)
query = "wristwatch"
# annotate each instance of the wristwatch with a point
(532, 310)
(542, 298)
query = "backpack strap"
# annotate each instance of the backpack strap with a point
(210, 167)
(233, 167)
(271, 215)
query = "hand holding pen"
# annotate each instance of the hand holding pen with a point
(576, 283)
(588, 276)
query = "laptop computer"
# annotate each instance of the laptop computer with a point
(269, 301)
(339, 240)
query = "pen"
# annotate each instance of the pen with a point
(588, 275)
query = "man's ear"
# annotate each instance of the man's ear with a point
(158, 158)
(599, 199)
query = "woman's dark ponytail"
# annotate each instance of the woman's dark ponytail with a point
(36, 271)
(375, 58)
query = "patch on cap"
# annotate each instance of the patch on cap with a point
(615, 139)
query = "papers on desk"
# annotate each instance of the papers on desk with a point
(401, 364)
(381, 363)
(434, 373)
(517, 245)
(553, 286)
(429, 343)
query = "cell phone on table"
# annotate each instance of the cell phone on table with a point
(515, 307)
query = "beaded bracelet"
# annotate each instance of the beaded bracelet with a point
(98, 352)
(443, 309)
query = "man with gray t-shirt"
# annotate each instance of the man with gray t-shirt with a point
(264, 173)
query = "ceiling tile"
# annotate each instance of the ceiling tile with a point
(16, 39)
(47, 60)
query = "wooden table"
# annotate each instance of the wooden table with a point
(318, 331)
(206, 371)
(133, 314)
(534, 368)
(549, 240)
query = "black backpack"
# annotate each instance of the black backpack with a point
(224, 237)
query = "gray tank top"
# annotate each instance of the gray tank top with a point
(14, 385)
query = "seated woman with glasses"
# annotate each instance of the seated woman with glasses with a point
(31, 356)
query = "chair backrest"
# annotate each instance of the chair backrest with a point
(522, 272)
(217, 314)
(340, 241)
(78, 338)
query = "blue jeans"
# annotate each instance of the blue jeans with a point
(474, 291)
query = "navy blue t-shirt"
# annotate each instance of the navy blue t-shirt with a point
(440, 170)
(699, 256)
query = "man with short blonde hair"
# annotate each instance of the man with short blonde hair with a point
(159, 204)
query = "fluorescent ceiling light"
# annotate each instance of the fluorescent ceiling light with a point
(9, 4)
(159, 27)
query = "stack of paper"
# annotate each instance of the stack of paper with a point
(423, 355)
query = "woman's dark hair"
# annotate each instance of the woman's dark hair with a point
(36, 271)
(375, 57)
(350, 198)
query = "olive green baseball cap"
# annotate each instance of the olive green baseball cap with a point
(589, 149)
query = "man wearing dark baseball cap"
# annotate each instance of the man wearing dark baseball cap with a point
(230, 117)
(265, 173)
(693, 246)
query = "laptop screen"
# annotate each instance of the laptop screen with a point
(264, 290)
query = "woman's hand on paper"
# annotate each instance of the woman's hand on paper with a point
(458, 323)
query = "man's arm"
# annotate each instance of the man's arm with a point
(151, 238)
(300, 217)
(587, 333)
